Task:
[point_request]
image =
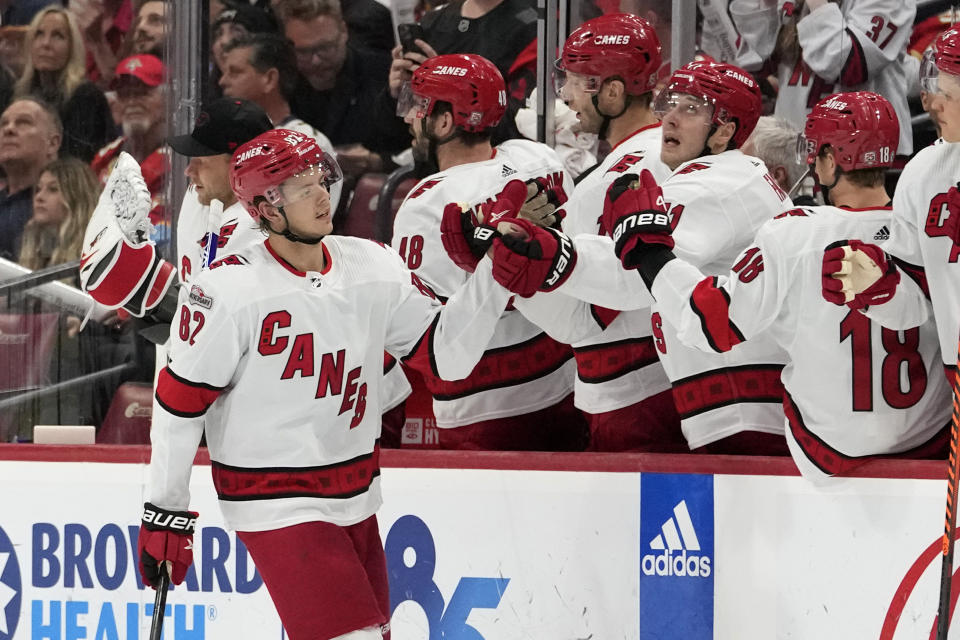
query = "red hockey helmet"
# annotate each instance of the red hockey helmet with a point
(942, 57)
(260, 166)
(861, 127)
(732, 92)
(616, 45)
(470, 83)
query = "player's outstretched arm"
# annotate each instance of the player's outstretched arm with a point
(119, 266)
(445, 340)
(863, 277)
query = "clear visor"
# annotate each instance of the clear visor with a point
(806, 150)
(573, 81)
(307, 183)
(684, 105)
(408, 100)
(929, 73)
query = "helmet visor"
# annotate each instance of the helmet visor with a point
(684, 105)
(407, 101)
(572, 81)
(929, 73)
(807, 149)
(325, 173)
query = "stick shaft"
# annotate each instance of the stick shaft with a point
(950, 519)
(159, 604)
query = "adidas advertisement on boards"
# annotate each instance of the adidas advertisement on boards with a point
(677, 565)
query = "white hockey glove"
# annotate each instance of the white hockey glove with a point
(119, 266)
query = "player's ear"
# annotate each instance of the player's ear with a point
(611, 95)
(721, 137)
(268, 211)
(780, 176)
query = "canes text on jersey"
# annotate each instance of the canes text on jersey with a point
(301, 361)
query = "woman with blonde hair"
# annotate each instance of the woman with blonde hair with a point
(55, 72)
(63, 202)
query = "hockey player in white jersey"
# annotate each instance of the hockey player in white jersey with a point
(717, 198)
(277, 355)
(924, 241)
(606, 74)
(853, 389)
(841, 46)
(518, 396)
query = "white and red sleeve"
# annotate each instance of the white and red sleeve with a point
(205, 349)
(854, 47)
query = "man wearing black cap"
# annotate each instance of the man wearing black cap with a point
(210, 217)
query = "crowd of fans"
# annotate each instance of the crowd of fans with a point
(80, 83)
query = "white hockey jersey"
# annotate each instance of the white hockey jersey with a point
(282, 368)
(739, 31)
(853, 388)
(524, 369)
(920, 240)
(234, 231)
(858, 45)
(618, 367)
(716, 203)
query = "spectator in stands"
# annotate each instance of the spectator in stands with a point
(342, 82)
(261, 68)
(150, 28)
(104, 25)
(774, 141)
(12, 49)
(234, 22)
(55, 73)
(63, 200)
(141, 98)
(502, 31)
(30, 136)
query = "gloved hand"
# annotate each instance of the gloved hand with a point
(165, 536)
(542, 204)
(119, 266)
(532, 258)
(857, 274)
(635, 212)
(467, 233)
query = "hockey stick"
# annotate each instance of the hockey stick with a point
(950, 524)
(159, 604)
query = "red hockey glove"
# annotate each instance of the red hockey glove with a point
(635, 213)
(467, 234)
(543, 200)
(857, 274)
(540, 259)
(165, 536)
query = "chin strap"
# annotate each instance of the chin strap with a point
(290, 235)
(605, 125)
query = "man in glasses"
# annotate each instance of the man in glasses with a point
(715, 200)
(341, 83)
(924, 234)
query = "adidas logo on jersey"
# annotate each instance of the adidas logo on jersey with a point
(883, 234)
(507, 171)
(675, 549)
